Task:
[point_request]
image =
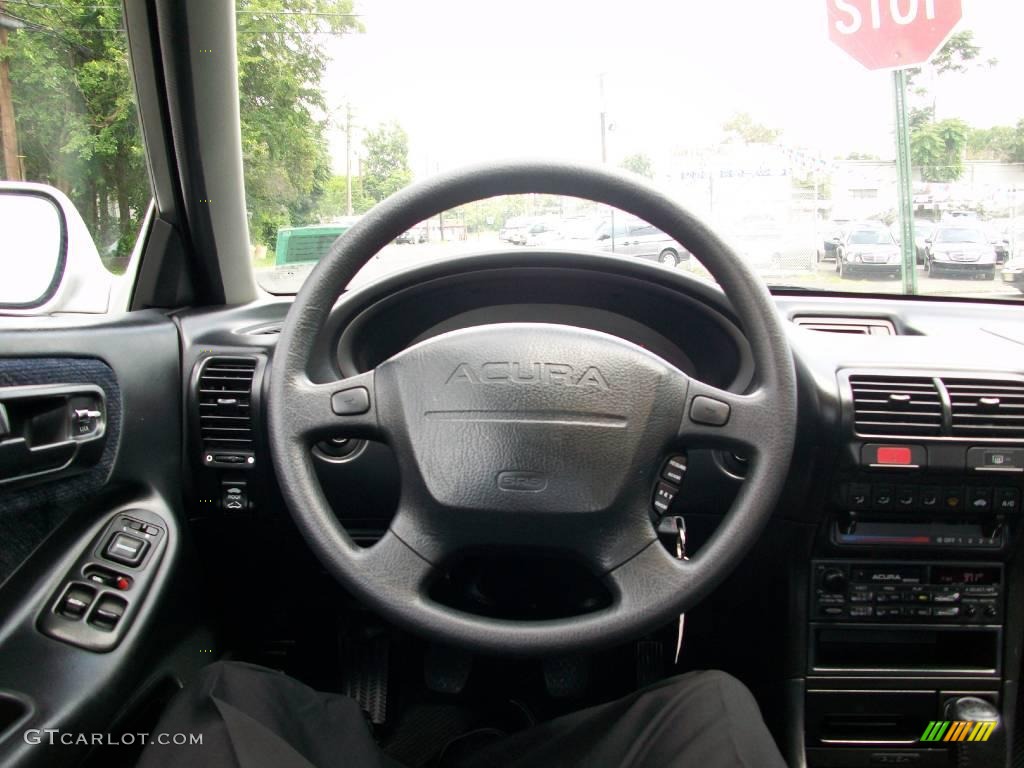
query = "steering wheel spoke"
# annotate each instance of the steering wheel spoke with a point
(342, 408)
(716, 418)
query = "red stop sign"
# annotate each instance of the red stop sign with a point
(890, 34)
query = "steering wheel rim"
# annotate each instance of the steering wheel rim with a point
(627, 389)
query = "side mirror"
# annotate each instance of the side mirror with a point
(837, 240)
(48, 258)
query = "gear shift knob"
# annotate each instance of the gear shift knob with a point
(990, 753)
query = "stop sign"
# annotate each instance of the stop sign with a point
(889, 34)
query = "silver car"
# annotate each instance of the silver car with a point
(633, 237)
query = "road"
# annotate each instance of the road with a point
(822, 278)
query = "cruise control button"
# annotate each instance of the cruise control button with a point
(705, 410)
(663, 496)
(674, 470)
(126, 549)
(351, 402)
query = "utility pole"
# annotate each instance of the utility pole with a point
(348, 158)
(604, 127)
(8, 128)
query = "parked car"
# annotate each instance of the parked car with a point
(511, 228)
(868, 249)
(833, 234)
(1013, 273)
(634, 237)
(407, 237)
(963, 250)
(541, 232)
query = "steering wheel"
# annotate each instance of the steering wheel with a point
(529, 435)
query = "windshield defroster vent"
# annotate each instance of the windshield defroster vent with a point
(902, 406)
(852, 326)
(224, 394)
(986, 407)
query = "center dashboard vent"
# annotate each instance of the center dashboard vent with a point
(224, 393)
(896, 405)
(851, 326)
(986, 407)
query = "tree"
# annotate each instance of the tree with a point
(78, 128)
(75, 115)
(958, 56)
(386, 165)
(741, 127)
(639, 163)
(995, 143)
(938, 150)
(281, 62)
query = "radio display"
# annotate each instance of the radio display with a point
(947, 574)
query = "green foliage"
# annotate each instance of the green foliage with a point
(386, 165)
(75, 114)
(281, 62)
(77, 126)
(742, 128)
(958, 55)
(639, 163)
(938, 150)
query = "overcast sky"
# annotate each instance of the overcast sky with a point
(477, 79)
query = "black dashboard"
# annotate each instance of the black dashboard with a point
(888, 580)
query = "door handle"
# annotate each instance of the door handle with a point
(47, 429)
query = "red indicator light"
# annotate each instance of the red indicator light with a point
(898, 455)
(123, 582)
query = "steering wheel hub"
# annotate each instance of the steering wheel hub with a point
(528, 417)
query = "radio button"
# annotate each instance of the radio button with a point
(861, 611)
(920, 611)
(862, 597)
(946, 597)
(833, 610)
(906, 497)
(946, 611)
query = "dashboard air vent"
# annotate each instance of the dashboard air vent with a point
(903, 406)
(986, 407)
(225, 403)
(852, 326)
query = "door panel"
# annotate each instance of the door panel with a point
(54, 533)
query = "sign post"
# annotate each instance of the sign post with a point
(904, 185)
(895, 34)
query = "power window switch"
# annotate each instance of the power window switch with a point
(76, 602)
(126, 549)
(108, 613)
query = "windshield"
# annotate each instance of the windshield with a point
(871, 237)
(766, 130)
(960, 236)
